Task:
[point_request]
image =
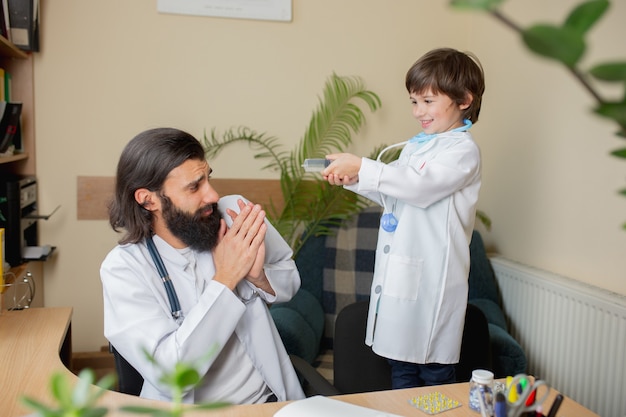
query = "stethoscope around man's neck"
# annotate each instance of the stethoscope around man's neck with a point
(169, 287)
(177, 312)
(388, 220)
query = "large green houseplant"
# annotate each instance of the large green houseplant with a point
(311, 205)
(566, 44)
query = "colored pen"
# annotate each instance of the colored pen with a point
(500, 406)
(531, 398)
(530, 401)
(512, 392)
(555, 406)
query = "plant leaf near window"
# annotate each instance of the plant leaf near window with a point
(566, 44)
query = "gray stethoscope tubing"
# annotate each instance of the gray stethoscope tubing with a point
(388, 221)
(167, 282)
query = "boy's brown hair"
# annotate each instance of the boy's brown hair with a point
(450, 72)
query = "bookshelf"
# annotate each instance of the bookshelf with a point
(20, 65)
(7, 49)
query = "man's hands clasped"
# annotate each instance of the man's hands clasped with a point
(240, 252)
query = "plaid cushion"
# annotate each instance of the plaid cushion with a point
(349, 266)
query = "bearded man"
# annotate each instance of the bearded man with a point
(223, 263)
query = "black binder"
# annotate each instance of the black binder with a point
(24, 24)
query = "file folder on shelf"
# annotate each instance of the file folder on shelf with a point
(24, 24)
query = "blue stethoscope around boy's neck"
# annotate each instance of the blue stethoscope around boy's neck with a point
(388, 220)
(425, 137)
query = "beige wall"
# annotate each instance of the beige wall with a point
(110, 69)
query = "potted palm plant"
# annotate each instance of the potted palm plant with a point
(311, 206)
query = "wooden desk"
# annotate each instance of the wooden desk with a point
(33, 343)
(36, 342)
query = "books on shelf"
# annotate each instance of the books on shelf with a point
(3, 94)
(4, 20)
(5, 85)
(10, 132)
(1, 259)
(23, 30)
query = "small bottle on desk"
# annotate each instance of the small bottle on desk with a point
(481, 392)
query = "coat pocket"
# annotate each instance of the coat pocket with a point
(403, 277)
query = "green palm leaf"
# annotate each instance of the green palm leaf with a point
(311, 206)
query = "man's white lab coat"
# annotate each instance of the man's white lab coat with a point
(137, 312)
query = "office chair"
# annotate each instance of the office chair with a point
(358, 369)
(129, 381)
(475, 345)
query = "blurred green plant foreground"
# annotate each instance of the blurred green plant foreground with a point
(566, 44)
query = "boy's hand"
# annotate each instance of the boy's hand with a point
(344, 169)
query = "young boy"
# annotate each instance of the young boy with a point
(419, 290)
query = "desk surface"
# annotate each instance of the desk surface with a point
(30, 341)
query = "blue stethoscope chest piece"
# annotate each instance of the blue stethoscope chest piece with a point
(388, 222)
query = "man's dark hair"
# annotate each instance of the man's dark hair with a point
(146, 161)
(450, 72)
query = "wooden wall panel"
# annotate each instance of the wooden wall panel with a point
(94, 194)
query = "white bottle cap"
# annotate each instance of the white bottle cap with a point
(482, 376)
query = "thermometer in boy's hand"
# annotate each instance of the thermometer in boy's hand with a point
(315, 165)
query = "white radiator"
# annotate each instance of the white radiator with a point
(574, 334)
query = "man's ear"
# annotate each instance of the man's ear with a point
(145, 198)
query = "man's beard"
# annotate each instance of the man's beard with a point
(197, 231)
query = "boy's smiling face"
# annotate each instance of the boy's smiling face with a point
(437, 113)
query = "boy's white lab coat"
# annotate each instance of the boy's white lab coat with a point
(420, 285)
